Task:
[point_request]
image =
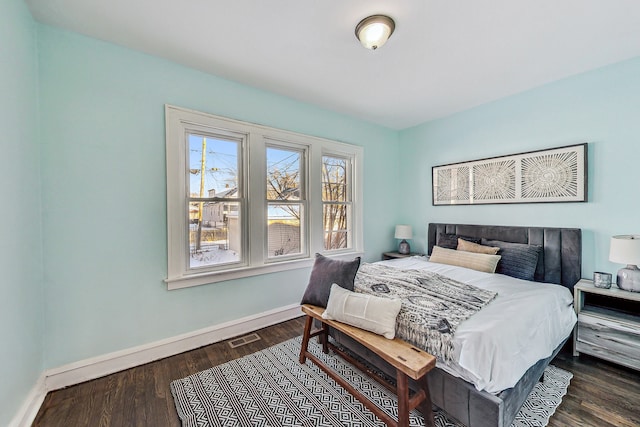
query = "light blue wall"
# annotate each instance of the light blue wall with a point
(21, 297)
(601, 107)
(104, 203)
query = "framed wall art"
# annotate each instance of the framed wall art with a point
(544, 176)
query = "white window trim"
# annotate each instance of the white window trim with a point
(177, 121)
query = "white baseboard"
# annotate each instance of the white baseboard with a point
(31, 405)
(100, 366)
(96, 367)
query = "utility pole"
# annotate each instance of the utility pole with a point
(203, 163)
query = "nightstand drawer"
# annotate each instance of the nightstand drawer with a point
(609, 337)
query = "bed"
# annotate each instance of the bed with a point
(476, 402)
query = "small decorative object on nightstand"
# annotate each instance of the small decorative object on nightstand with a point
(404, 232)
(601, 280)
(625, 249)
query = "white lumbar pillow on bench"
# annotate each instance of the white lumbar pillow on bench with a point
(368, 312)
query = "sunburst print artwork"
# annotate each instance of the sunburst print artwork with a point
(494, 181)
(453, 184)
(550, 175)
(553, 175)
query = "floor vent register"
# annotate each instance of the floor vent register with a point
(238, 342)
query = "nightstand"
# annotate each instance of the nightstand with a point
(396, 254)
(608, 323)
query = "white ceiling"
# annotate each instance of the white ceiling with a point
(445, 56)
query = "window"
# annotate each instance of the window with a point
(285, 201)
(214, 200)
(336, 198)
(245, 199)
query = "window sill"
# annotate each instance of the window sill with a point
(190, 280)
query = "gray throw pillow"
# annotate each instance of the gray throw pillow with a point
(325, 272)
(518, 260)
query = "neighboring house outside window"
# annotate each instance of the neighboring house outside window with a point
(245, 199)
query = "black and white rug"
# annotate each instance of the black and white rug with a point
(271, 388)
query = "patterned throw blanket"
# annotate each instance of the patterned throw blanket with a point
(432, 305)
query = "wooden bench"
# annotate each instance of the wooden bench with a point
(408, 361)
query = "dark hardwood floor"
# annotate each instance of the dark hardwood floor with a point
(601, 394)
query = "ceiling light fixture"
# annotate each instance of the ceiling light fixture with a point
(374, 31)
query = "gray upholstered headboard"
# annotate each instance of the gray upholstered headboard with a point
(561, 262)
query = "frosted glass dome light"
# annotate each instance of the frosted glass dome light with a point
(374, 31)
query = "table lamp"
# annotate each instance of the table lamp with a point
(404, 232)
(625, 249)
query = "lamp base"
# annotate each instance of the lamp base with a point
(404, 248)
(629, 278)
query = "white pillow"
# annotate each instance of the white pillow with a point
(368, 312)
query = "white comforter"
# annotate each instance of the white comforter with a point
(496, 346)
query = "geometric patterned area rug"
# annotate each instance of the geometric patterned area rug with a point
(271, 388)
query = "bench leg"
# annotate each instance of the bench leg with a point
(403, 398)
(305, 339)
(422, 398)
(425, 407)
(325, 338)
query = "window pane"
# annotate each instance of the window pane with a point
(334, 179)
(335, 223)
(335, 240)
(217, 238)
(283, 174)
(219, 163)
(283, 229)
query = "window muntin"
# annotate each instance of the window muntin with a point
(336, 201)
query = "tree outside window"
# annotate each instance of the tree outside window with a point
(336, 202)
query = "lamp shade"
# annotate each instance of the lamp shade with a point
(625, 249)
(403, 232)
(374, 31)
